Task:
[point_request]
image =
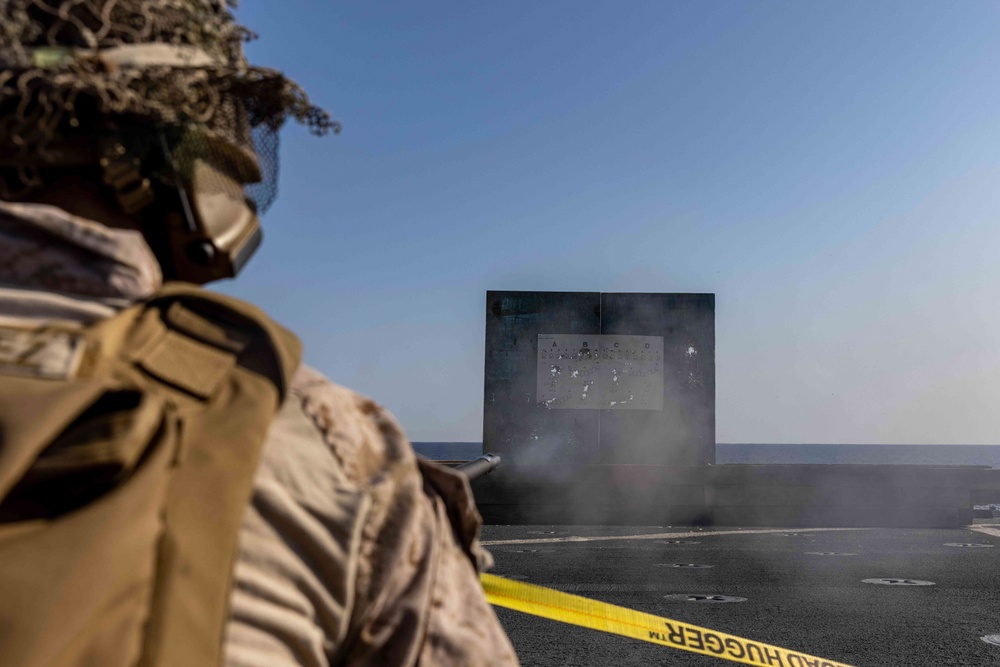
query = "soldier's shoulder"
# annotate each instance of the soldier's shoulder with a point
(360, 433)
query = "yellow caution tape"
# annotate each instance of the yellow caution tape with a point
(605, 617)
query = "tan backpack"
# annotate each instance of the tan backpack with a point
(127, 456)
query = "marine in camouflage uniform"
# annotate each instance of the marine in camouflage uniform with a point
(352, 550)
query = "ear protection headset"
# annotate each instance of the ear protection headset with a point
(203, 226)
(213, 228)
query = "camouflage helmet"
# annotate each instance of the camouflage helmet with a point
(68, 68)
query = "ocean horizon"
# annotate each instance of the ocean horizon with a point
(804, 453)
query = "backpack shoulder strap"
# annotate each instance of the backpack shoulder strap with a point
(230, 324)
(238, 364)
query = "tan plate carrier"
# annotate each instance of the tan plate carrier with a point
(124, 479)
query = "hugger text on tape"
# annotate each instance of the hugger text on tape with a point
(587, 613)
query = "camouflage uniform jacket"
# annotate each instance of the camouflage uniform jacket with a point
(352, 551)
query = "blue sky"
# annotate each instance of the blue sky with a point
(829, 170)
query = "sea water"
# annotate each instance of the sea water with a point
(923, 455)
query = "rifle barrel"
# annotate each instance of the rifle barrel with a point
(480, 466)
